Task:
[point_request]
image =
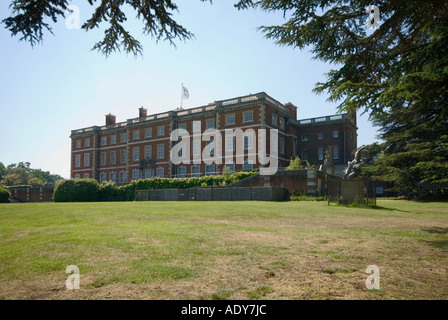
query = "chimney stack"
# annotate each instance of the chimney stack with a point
(142, 112)
(292, 109)
(110, 119)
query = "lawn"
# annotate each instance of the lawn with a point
(223, 250)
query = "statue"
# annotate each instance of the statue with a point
(328, 161)
(354, 166)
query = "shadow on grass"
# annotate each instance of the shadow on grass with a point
(439, 244)
(437, 230)
(372, 206)
(442, 242)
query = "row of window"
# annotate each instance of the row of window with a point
(320, 135)
(230, 146)
(210, 124)
(123, 137)
(321, 153)
(281, 122)
(113, 156)
(195, 171)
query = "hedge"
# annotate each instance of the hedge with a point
(90, 190)
(5, 195)
(78, 190)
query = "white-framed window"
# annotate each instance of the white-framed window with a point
(77, 176)
(103, 141)
(86, 176)
(320, 153)
(87, 143)
(282, 124)
(210, 169)
(335, 152)
(230, 119)
(211, 147)
(78, 144)
(161, 131)
(231, 166)
(248, 116)
(148, 133)
(183, 126)
(248, 165)
(305, 155)
(123, 156)
(113, 176)
(196, 126)
(135, 174)
(196, 148)
(230, 143)
(160, 151)
(136, 134)
(123, 137)
(248, 142)
(113, 157)
(113, 139)
(77, 160)
(102, 177)
(160, 172)
(304, 137)
(86, 159)
(148, 151)
(149, 173)
(320, 135)
(196, 171)
(181, 172)
(335, 133)
(274, 120)
(103, 158)
(281, 145)
(122, 177)
(136, 154)
(210, 123)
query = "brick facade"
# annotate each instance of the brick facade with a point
(140, 147)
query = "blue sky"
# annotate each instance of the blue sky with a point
(61, 85)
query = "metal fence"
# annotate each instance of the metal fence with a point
(213, 194)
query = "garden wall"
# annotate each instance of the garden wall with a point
(213, 194)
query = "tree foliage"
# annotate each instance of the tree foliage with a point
(398, 74)
(5, 195)
(21, 173)
(29, 20)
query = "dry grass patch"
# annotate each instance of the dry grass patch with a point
(223, 250)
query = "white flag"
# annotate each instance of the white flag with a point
(185, 94)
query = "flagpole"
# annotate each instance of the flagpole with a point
(181, 95)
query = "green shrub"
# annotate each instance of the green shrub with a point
(89, 190)
(79, 190)
(109, 191)
(5, 195)
(307, 198)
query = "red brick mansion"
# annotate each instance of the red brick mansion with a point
(141, 147)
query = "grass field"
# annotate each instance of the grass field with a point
(223, 250)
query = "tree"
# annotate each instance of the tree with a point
(22, 174)
(397, 73)
(2, 170)
(28, 20)
(295, 164)
(16, 176)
